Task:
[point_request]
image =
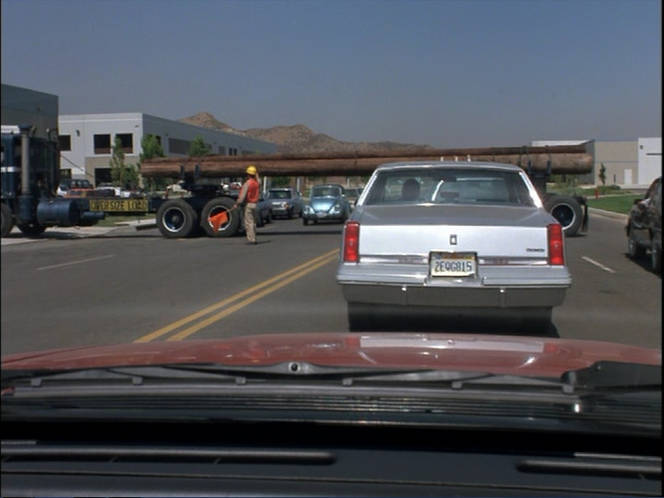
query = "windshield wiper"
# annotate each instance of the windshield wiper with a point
(600, 376)
(193, 371)
(614, 375)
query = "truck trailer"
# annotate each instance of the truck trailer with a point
(34, 163)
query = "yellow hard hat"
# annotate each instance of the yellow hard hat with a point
(251, 170)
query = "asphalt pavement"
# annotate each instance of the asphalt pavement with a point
(126, 285)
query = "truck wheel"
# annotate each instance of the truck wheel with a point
(176, 219)
(567, 212)
(216, 206)
(634, 250)
(31, 229)
(7, 220)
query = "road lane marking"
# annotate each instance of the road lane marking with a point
(600, 265)
(213, 307)
(222, 314)
(50, 267)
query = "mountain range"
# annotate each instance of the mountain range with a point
(298, 138)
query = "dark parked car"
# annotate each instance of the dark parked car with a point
(644, 227)
(327, 202)
(285, 202)
(352, 194)
(264, 212)
(72, 187)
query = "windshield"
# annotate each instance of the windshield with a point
(450, 186)
(325, 192)
(251, 207)
(280, 194)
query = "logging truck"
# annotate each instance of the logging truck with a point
(182, 217)
(33, 207)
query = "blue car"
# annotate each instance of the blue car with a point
(327, 202)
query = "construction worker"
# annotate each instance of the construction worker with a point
(249, 195)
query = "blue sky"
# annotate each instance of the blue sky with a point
(444, 73)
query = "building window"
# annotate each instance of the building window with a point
(232, 151)
(103, 175)
(65, 173)
(65, 142)
(222, 150)
(102, 144)
(126, 142)
(177, 146)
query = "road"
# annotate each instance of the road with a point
(124, 286)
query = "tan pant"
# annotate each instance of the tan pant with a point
(250, 221)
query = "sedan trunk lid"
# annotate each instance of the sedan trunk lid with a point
(488, 230)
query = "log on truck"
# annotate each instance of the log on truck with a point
(178, 218)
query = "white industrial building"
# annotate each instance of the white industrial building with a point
(650, 159)
(22, 106)
(627, 163)
(86, 141)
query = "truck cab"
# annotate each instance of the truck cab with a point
(29, 185)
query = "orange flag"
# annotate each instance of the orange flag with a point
(218, 219)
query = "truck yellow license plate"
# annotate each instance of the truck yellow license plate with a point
(452, 264)
(119, 205)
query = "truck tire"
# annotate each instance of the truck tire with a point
(31, 229)
(7, 220)
(215, 206)
(567, 212)
(176, 219)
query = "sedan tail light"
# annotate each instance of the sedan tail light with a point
(556, 244)
(351, 242)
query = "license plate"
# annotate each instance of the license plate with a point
(452, 264)
(118, 205)
(321, 215)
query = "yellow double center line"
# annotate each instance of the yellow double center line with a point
(255, 292)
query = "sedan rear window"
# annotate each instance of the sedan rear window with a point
(449, 186)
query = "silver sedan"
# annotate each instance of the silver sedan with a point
(463, 238)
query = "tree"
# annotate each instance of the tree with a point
(152, 148)
(199, 148)
(602, 174)
(122, 175)
(117, 163)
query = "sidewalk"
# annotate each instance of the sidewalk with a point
(608, 214)
(136, 223)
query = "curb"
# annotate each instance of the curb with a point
(608, 214)
(135, 223)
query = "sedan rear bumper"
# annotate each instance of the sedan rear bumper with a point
(493, 287)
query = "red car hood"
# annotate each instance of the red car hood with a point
(487, 353)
